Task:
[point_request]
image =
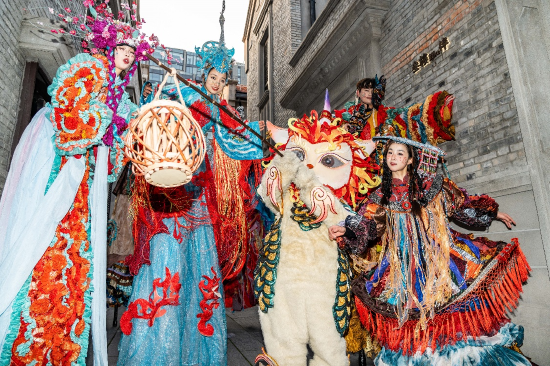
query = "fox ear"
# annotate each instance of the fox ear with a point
(367, 146)
(279, 135)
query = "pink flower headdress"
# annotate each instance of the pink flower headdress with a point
(102, 31)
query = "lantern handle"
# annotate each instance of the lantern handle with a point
(173, 73)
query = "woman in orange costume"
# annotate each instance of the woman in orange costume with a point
(54, 205)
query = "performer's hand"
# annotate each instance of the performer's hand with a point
(270, 127)
(147, 90)
(506, 219)
(336, 231)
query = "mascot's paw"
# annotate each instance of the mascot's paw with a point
(264, 359)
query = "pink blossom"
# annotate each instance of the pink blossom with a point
(54, 31)
(51, 10)
(88, 2)
(82, 26)
(68, 10)
(95, 50)
(73, 32)
(61, 31)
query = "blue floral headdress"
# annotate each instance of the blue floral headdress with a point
(214, 54)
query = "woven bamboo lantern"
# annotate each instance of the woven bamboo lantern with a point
(165, 143)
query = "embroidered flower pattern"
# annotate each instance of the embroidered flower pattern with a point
(78, 117)
(143, 309)
(55, 326)
(210, 292)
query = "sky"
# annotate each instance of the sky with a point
(189, 23)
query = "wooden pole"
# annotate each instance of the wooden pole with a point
(207, 97)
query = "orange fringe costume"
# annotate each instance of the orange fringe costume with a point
(434, 287)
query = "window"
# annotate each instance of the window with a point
(156, 77)
(265, 114)
(239, 74)
(191, 59)
(310, 11)
(156, 74)
(264, 64)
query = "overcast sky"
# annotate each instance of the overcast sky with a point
(189, 23)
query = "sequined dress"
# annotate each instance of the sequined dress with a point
(188, 241)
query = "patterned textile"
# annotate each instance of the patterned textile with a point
(433, 286)
(50, 316)
(119, 285)
(207, 231)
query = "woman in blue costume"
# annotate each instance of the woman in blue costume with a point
(54, 205)
(191, 239)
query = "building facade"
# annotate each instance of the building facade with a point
(185, 64)
(183, 61)
(29, 60)
(496, 63)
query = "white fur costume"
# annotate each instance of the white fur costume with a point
(305, 280)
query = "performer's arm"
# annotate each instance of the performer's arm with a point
(358, 230)
(79, 118)
(472, 210)
(235, 140)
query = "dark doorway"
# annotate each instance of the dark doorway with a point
(34, 96)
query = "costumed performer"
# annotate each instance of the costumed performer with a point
(367, 117)
(426, 122)
(302, 278)
(53, 212)
(191, 238)
(436, 296)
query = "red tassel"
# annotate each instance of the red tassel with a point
(462, 328)
(434, 336)
(506, 297)
(509, 290)
(485, 311)
(453, 334)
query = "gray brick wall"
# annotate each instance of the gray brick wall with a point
(11, 73)
(12, 65)
(286, 40)
(488, 144)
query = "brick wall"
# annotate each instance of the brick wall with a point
(488, 144)
(489, 147)
(11, 73)
(12, 64)
(286, 40)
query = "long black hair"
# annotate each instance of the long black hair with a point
(415, 182)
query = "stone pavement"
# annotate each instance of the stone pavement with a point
(244, 335)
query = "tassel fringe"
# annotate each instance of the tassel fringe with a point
(481, 311)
